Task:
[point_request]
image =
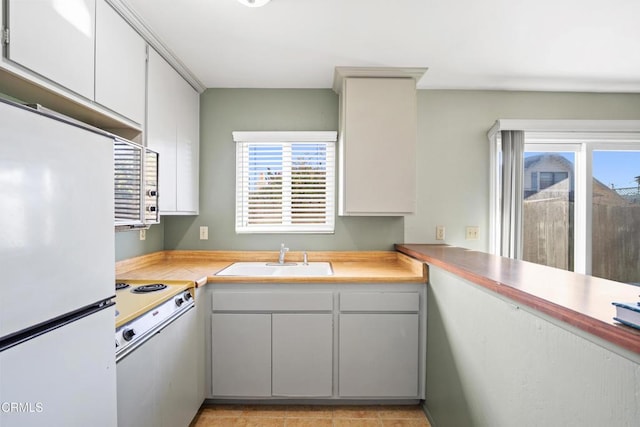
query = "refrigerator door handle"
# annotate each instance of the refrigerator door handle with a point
(42, 328)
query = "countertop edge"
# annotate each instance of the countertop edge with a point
(623, 336)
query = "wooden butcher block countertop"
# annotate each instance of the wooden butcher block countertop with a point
(200, 267)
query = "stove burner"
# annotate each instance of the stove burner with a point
(154, 287)
(121, 285)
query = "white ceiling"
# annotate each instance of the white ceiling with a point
(557, 45)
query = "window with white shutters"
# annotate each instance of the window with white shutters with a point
(285, 182)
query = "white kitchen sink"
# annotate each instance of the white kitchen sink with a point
(273, 269)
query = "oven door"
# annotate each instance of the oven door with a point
(158, 379)
(137, 383)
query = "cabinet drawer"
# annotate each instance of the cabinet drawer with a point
(405, 302)
(272, 301)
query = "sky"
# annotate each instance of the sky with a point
(617, 167)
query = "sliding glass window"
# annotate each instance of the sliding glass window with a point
(578, 205)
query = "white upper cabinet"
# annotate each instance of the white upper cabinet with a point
(55, 39)
(187, 148)
(173, 120)
(377, 143)
(120, 64)
(378, 146)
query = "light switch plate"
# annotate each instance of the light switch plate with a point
(204, 232)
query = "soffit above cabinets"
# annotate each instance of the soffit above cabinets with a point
(341, 73)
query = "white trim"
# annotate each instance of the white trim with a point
(288, 136)
(138, 24)
(539, 137)
(341, 73)
(583, 195)
(572, 126)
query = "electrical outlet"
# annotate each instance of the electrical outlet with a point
(143, 234)
(204, 232)
(472, 233)
(440, 232)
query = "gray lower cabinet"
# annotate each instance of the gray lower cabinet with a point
(317, 341)
(241, 354)
(265, 355)
(379, 344)
(302, 355)
(378, 355)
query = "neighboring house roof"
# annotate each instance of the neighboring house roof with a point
(602, 194)
(532, 160)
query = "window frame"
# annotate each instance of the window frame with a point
(286, 140)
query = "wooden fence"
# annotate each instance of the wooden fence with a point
(616, 242)
(548, 237)
(547, 232)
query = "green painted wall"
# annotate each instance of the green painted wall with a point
(453, 150)
(225, 110)
(493, 363)
(452, 156)
(129, 245)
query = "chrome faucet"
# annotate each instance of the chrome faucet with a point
(305, 259)
(283, 252)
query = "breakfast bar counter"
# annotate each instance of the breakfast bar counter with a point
(579, 300)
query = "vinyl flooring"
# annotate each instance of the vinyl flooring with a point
(310, 416)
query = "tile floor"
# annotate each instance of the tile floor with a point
(310, 416)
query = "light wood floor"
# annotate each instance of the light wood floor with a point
(310, 416)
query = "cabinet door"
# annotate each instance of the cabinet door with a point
(55, 39)
(187, 148)
(241, 354)
(173, 120)
(378, 146)
(120, 64)
(161, 126)
(302, 355)
(378, 355)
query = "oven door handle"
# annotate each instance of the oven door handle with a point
(151, 332)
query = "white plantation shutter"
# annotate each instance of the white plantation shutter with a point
(285, 182)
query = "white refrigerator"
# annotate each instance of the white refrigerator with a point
(57, 350)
